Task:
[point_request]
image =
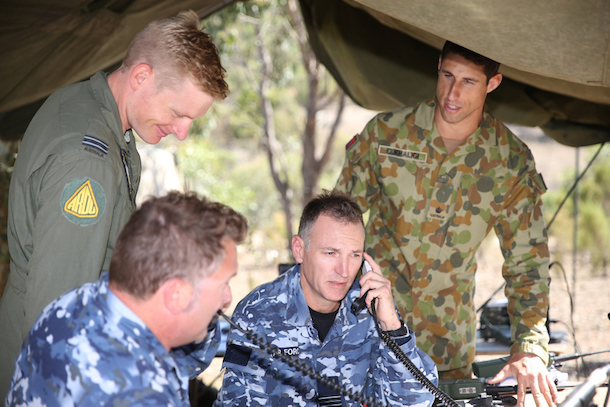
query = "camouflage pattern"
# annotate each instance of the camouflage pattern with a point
(352, 352)
(429, 213)
(89, 349)
(50, 253)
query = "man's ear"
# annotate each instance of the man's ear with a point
(494, 82)
(177, 294)
(140, 75)
(298, 248)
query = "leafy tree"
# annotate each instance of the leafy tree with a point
(593, 209)
(277, 90)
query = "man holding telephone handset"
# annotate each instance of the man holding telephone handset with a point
(307, 313)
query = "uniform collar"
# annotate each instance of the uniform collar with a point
(484, 135)
(129, 321)
(110, 111)
(297, 311)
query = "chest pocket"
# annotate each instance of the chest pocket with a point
(403, 175)
(475, 207)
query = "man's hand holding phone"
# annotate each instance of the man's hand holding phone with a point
(374, 285)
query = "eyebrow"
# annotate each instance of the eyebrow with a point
(467, 78)
(334, 249)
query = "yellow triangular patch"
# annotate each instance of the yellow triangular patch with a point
(82, 203)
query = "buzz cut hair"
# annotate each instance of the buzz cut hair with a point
(337, 205)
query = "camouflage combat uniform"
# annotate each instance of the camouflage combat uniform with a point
(89, 349)
(429, 213)
(351, 352)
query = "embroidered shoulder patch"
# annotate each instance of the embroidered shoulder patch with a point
(404, 154)
(95, 145)
(83, 201)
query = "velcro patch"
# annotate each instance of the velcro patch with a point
(404, 154)
(83, 201)
(238, 355)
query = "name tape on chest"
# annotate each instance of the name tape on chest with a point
(291, 351)
(83, 201)
(403, 154)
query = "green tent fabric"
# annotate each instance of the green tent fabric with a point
(555, 55)
(46, 44)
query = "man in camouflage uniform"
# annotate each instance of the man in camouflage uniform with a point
(437, 177)
(306, 314)
(119, 340)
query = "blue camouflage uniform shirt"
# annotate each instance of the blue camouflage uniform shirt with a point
(88, 348)
(352, 353)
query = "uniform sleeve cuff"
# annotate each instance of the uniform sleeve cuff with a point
(402, 331)
(528, 347)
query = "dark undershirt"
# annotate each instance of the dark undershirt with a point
(322, 322)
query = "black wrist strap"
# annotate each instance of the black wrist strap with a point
(402, 331)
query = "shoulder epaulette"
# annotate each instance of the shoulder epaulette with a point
(95, 143)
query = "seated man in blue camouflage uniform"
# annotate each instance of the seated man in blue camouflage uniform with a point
(306, 312)
(119, 340)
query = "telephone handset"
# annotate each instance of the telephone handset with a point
(360, 303)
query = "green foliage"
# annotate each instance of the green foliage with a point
(593, 209)
(223, 156)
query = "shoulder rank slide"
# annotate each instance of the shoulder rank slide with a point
(95, 143)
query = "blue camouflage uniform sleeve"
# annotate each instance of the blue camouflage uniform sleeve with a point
(244, 378)
(397, 386)
(194, 358)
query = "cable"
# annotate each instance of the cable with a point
(274, 351)
(419, 376)
(574, 185)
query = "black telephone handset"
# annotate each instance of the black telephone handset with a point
(360, 303)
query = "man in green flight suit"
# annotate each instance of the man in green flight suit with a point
(437, 177)
(75, 180)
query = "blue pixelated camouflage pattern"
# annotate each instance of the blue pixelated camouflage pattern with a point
(352, 352)
(88, 349)
(429, 213)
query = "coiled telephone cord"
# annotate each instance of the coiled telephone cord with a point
(419, 376)
(274, 351)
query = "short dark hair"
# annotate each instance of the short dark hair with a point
(490, 67)
(335, 204)
(175, 236)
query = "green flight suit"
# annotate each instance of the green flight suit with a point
(72, 190)
(429, 213)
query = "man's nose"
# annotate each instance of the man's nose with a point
(342, 268)
(454, 92)
(181, 129)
